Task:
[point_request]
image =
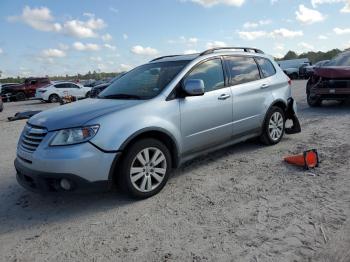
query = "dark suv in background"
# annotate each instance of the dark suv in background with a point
(25, 90)
(330, 81)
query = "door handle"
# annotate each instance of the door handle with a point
(263, 86)
(224, 96)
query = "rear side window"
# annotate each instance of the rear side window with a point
(211, 73)
(62, 86)
(267, 68)
(242, 69)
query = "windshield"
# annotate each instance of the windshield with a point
(144, 82)
(340, 60)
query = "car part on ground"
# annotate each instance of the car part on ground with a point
(155, 118)
(330, 82)
(23, 115)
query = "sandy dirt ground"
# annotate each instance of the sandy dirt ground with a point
(238, 204)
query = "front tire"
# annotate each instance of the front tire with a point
(274, 125)
(145, 168)
(313, 101)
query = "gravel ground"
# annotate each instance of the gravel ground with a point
(238, 204)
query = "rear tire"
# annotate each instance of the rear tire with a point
(54, 98)
(274, 125)
(145, 168)
(87, 94)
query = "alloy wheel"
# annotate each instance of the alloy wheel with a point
(276, 126)
(148, 169)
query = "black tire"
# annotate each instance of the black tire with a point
(20, 96)
(313, 101)
(266, 137)
(54, 98)
(87, 94)
(124, 176)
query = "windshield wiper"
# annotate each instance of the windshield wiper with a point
(120, 96)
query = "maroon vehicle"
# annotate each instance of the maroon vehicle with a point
(330, 81)
(25, 90)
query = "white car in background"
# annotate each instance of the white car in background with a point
(57, 90)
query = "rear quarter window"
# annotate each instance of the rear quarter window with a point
(242, 69)
(266, 67)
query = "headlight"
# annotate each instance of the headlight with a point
(74, 135)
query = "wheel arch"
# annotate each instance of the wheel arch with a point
(151, 132)
(278, 103)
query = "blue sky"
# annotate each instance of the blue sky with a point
(68, 37)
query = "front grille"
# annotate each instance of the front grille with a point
(32, 137)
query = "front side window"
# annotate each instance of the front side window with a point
(144, 82)
(267, 68)
(242, 69)
(211, 73)
(61, 86)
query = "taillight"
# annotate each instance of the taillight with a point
(289, 82)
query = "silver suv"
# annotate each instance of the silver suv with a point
(153, 119)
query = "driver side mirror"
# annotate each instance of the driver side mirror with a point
(194, 87)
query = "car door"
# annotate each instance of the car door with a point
(76, 90)
(249, 93)
(206, 120)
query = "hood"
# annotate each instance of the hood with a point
(333, 71)
(78, 113)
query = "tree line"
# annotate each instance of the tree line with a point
(314, 57)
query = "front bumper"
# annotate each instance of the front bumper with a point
(44, 182)
(84, 165)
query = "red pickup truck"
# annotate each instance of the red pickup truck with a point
(25, 90)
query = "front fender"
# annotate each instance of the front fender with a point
(116, 129)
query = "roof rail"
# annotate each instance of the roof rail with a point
(161, 57)
(245, 49)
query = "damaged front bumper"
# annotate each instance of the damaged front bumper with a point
(291, 114)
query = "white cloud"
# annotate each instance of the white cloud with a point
(96, 58)
(140, 50)
(42, 20)
(309, 16)
(193, 40)
(279, 47)
(252, 35)
(346, 8)
(53, 53)
(210, 3)
(190, 51)
(106, 37)
(1, 51)
(83, 29)
(286, 33)
(306, 46)
(322, 37)
(341, 31)
(37, 18)
(112, 47)
(114, 10)
(319, 2)
(86, 47)
(282, 32)
(256, 24)
(125, 67)
(214, 44)
(125, 36)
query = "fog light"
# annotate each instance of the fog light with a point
(65, 184)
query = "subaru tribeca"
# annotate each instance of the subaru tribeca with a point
(153, 119)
